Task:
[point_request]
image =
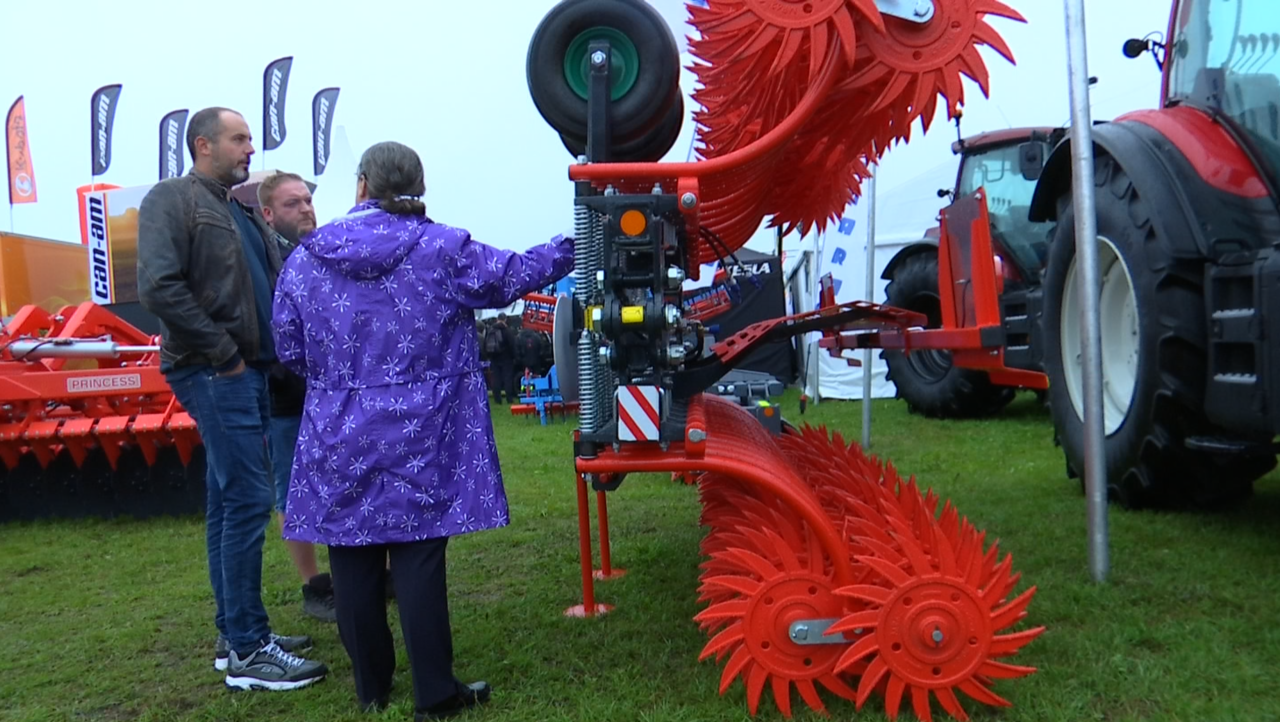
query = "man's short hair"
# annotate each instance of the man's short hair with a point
(206, 123)
(269, 185)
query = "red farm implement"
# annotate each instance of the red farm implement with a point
(824, 569)
(88, 425)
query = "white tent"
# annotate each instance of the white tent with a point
(903, 214)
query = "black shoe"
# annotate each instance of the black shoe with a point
(317, 598)
(468, 696)
(379, 704)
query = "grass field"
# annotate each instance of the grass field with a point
(112, 620)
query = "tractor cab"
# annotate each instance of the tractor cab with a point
(1006, 164)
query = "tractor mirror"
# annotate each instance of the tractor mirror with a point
(1031, 160)
(1133, 47)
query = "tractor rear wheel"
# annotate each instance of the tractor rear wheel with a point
(928, 380)
(1152, 313)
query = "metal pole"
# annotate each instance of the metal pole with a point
(871, 286)
(1095, 466)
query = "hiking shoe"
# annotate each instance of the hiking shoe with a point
(274, 669)
(317, 599)
(222, 650)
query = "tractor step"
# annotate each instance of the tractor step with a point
(1219, 445)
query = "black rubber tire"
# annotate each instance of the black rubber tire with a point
(647, 148)
(644, 106)
(927, 380)
(1148, 464)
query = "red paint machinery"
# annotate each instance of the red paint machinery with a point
(824, 568)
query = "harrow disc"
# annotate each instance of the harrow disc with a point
(925, 615)
(911, 64)
(932, 624)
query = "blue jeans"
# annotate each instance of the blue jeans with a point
(284, 439)
(232, 414)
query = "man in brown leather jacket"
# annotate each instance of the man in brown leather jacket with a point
(207, 268)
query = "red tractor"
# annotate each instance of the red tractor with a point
(1006, 164)
(1188, 218)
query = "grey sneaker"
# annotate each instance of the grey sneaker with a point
(222, 650)
(274, 669)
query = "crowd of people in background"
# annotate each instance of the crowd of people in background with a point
(512, 351)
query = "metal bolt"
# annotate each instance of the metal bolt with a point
(582, 160)
(697, 436)
(597, 315)
(672, 314)
(800, 632)
(605, 353)
(937, 636)
(657, 189)
(676, 354)
(675, 276)
(598, 57)
(688, 200)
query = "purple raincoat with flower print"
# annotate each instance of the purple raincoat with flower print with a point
(376, 312)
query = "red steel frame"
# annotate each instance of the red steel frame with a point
(79, 404)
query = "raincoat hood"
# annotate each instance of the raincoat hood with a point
(367, 242)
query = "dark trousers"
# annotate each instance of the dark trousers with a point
(232, 416)
(504, 379)
(359, 595)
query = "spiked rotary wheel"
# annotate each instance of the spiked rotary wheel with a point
(910, 64)
(933, 631)
(766, 620)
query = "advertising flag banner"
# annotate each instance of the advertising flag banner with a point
(275, 85)
(173, 128)
(322, 107)
(102, 117)
(22, 177)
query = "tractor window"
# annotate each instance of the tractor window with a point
(1008, 204)
(1226, 53)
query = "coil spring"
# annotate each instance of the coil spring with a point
(588, 391)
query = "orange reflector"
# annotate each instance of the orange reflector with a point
(633, 223)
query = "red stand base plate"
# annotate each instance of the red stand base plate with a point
(613, 574)
(579, 611)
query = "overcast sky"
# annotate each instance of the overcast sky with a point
(446, 78)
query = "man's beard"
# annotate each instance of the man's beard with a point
(290, 231)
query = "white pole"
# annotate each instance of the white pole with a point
(871, 289)
(1095, 466)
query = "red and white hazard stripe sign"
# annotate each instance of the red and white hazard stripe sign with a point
(638, 416)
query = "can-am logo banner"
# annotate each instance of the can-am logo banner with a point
(101, 280)
(172, 144)
(322, 107)
(102, 109)
(275, 86)
(22, 177)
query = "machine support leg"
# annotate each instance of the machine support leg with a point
(606, 570)
(588, 608)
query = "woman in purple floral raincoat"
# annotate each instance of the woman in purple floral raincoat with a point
(396, 451)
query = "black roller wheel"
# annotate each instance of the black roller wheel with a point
(644, 70)
(1154, 357)
(647, 148)
(927, 380)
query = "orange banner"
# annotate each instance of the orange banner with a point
(22, 176)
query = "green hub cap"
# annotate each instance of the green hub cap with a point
(623, 69)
